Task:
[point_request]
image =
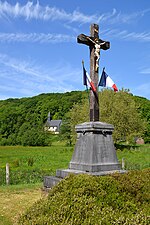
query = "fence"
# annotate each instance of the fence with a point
(10, 175)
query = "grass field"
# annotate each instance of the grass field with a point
(30, 164)
(14, 199)
(37, 157)
(135, 158)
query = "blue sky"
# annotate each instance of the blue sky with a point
(39, 52)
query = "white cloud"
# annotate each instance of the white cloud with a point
(120, 18)
(61, 38)
(75, 30)
(125, 35)
(21, 67)
(21, 78)
(35, 37)
(145, 71)
(143, 90)
(37, 11)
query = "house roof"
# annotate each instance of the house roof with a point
(53, 123)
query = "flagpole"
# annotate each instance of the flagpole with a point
(86, 85)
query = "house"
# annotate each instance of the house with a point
(139, 141)
(52, 125)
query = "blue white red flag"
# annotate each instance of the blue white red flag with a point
(87, 80)
(106, 81)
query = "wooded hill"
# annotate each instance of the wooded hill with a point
(22, 120)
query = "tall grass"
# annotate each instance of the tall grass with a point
(31, 164)
(135, 157)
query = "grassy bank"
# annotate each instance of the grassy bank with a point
(83, 199)
(15, 199)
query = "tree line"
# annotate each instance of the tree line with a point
(22, 120)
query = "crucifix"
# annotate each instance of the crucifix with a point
(94, 151)
(95, 44)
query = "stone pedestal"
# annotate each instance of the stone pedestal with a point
(94, 153)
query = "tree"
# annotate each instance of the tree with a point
(20, 115)
(28, 115)
(144, 110)
(65, 132)
(118, 109)
(123, 114)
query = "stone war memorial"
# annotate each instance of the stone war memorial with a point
(94, 151)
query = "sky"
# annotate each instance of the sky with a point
(39, 52)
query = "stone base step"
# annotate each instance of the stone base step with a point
(66, 172)
(50, 181)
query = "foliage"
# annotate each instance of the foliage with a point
(34, 137)
(65, 132)
(83, 199)
(144, 110)
(22, 120)
(123, 115)
(119, 109)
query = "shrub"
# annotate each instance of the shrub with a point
(84, 199)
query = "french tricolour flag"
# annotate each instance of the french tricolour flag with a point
(106, 81)
(87, 80)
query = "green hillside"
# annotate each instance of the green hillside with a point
(25, 117)
(22, 120)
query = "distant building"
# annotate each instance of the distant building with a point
(52, 125)
(139, 141)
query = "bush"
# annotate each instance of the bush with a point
(34, 137)
(84, 199)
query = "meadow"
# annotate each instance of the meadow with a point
(28, 165)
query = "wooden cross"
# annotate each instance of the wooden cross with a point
(95, 44)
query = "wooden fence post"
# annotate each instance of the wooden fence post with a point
(123, 163)
(7, 174)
